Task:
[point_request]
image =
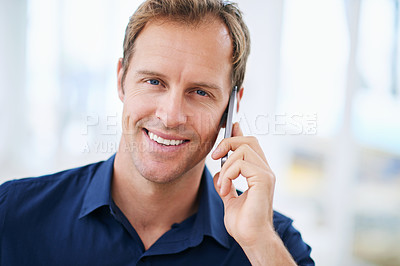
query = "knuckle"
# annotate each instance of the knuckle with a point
(272, 177)
(238, 163)
(252, 139)
(243, 147)
(224, 144)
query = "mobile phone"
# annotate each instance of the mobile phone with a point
(229, 117)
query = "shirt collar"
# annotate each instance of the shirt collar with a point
(99, 191)
(209, 219)
(210, 216)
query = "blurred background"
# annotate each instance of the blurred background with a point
(322, 95)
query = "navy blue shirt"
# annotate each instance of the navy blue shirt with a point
(69, 218)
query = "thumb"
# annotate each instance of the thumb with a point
(215, 179)
(232, 193)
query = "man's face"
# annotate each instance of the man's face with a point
(175, 92)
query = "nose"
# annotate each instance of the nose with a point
(171, 109)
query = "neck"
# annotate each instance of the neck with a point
(151, 207)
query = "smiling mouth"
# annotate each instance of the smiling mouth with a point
(164, 142)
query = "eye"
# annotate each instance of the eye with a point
(201, 93)
(153, 82)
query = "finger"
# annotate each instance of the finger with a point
(231, 144)
(230, 174)
(237, 131)
(245, 153)
(232, 192)
(215, 180)
(253, 174)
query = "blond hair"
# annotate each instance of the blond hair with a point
(192, 12)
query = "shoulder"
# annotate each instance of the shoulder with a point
(281, 223)
(37, 212)
(54, 177)
(291, 237)
(50, 179)
(35, 191)
(29, 206)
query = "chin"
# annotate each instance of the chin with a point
(167, 172)
(160, 175)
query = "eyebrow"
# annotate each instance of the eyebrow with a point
(149, 73)
(197, 84)
(211, 86)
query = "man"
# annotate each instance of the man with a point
(154, 202)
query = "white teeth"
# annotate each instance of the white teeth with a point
(167, 142)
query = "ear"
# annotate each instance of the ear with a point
(120, 72)
(239, 97)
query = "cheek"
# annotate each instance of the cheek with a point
(136, 107)
(208, 124)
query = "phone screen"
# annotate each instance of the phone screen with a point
(229, 117)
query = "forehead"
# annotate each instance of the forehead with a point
(204, 48)
(209, 30)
